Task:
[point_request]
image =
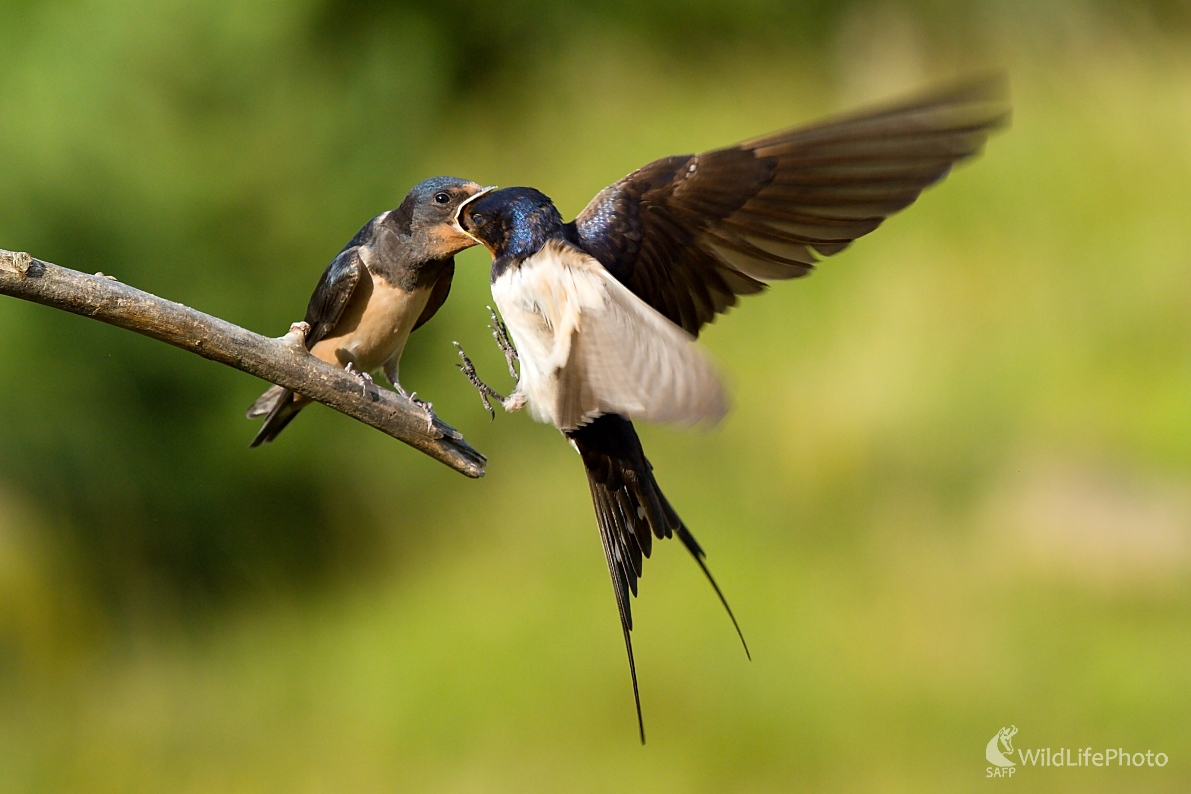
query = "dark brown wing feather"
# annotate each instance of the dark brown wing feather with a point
(438, 295)
(332, 294)
(326, 306)
(689, 233)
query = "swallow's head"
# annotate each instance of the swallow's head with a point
(511, 222)
(428, 215)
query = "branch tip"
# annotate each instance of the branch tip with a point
(15, 262)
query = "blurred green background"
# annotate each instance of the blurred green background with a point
(954, 493)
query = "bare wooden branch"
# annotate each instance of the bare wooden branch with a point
(279, 361)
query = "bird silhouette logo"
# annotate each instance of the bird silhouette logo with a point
(1004, 738)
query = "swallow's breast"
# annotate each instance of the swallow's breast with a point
(537, 303)
(375, 325)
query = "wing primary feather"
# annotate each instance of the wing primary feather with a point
(773, 207)
(952, 145)
(984, 98)
(742, 245)
(873, 172)
(330, 298)
(779, 233)
(672, 230)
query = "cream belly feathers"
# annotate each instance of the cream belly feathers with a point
(375, 326)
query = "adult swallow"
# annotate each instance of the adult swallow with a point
(385, 284)
(603, 311)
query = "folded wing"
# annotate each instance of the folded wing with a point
(332, 294)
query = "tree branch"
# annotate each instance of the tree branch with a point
(281, 361)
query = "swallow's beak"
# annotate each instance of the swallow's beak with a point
(459, 211)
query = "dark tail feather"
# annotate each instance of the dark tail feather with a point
(281, 414)
(620, 588)
(696, 551)
(267, 402)
(630, 511)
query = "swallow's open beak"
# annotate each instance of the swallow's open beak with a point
(470, 199)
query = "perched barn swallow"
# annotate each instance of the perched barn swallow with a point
(603, 311)
(384, 285)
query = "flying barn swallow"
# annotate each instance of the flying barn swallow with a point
(604, 311)
(384, 285)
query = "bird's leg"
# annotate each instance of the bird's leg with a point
(412, 396)
(363, 377)
(514, 402)
(469, 371)
(391, 374)
(500, 332)
(390, 368)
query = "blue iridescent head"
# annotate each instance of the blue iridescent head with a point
(514, 223)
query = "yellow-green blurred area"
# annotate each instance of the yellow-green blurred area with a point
(954, 493)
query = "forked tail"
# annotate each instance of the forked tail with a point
(631, 510)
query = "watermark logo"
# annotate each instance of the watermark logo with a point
(1000, 753)
(1004, 738)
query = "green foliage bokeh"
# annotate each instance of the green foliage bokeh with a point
(951, 494)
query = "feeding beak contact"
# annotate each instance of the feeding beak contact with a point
(470, 199)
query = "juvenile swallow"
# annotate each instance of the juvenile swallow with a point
(385, 284)
(604, 311)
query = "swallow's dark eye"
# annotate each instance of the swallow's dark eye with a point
(477, 220)
(441, 198)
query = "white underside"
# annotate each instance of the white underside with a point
(589, 346)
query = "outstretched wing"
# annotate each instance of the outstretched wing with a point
(332, 294)
(691, 232)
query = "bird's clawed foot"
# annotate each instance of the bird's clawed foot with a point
(412, 396)
(514, 402)
(363, 377)
(469, 371)
(500, 332)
